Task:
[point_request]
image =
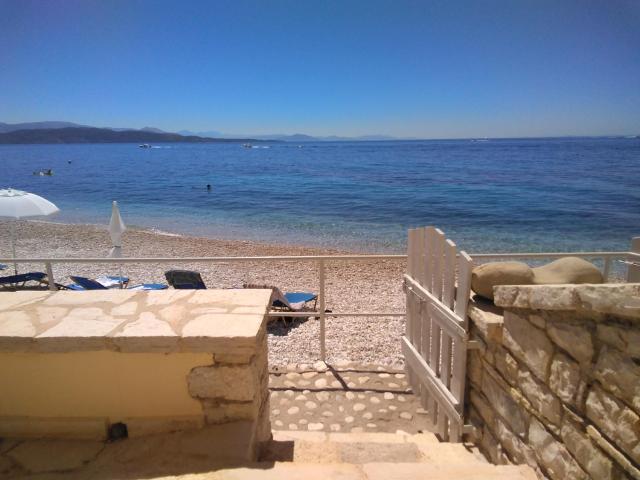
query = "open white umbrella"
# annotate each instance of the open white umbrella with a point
(116, 229)
(17, 204)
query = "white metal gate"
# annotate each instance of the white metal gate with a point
(437, 286)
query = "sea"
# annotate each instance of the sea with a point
(504, 195)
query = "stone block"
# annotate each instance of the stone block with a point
(222, 333)
(517, 449)
(146, 334)
(620, 460)
(234, 358)
(502, 402)
(538, 321)
(624, 338)
(506, 365)
(17, 324)
(474, 367)
(619, 375)
(486, 318)
(553, 455)
(573, 337)
(535, 297)
(236, 383)
(616, 420)
(540, 397)
(527, 343)
(485, 410)
(617, 299)
(564, 379)
(590, 458)
(220, 412)
(490, 445)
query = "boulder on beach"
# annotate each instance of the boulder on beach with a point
(567, 270)
(485, 277)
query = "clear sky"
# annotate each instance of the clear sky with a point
(429, 69)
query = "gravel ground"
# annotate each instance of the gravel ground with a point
(350, 286)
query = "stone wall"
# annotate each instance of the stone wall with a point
(555, 383)
(235, 387)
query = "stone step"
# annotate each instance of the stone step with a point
(368, 471)
(361, 448)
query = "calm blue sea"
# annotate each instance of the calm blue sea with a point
(497, 195)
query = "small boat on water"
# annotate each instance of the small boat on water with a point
(44, 173)
(247, 145)
(144, 145)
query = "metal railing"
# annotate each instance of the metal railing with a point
(321, 261)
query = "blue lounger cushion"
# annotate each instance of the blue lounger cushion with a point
(149, 286)
(83, 283)
(294, 300)
(297, 297)
(111, 281)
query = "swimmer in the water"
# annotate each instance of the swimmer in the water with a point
(208, 187)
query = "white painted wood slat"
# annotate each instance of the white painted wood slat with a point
(437, 285)
(463, 288)
(425, 374)
(449, 285)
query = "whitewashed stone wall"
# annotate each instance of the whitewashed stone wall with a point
(556, 382)
(235, 387)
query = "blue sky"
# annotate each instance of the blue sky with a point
(405, 68)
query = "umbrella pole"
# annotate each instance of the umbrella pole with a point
(13, 246)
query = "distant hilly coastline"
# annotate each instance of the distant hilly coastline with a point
(82, 134)
(88, 134)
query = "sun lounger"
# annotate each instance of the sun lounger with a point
(288, 301)
(84, 283)
(185, 279)
(296, 301)
(14, 282)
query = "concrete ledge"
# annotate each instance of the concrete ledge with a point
(73, 364)
(167, 321)
(618, 299)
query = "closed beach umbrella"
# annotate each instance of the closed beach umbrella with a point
(17, 204)
(116, 229)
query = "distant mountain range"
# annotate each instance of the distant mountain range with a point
(64, 132)
(137, 137)
(296, 137)
(11, 127)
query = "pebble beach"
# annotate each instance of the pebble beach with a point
(350, 286)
